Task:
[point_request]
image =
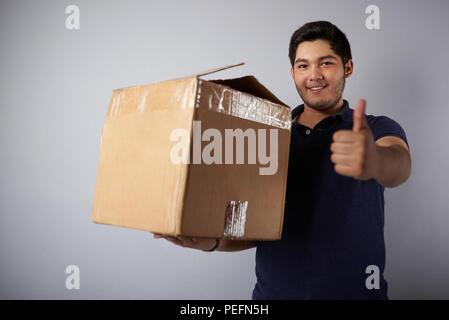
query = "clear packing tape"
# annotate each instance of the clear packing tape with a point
(226, 100)
(235, 219)
(218, 98)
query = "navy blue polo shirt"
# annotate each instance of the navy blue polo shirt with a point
(333, 225)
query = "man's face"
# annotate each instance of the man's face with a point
(319, 75)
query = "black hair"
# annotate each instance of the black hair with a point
(321, 30)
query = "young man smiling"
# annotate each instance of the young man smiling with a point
(341, 160)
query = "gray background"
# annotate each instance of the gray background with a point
(55, 86)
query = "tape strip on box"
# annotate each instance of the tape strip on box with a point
(235, 219)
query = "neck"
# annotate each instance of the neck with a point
(311, 117)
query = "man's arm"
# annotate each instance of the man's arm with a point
(394, 161)
(356, 154)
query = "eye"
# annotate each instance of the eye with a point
(302, 66)
(327, 63)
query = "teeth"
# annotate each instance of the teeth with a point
(316, 88)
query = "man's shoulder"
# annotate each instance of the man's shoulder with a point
(382, 126)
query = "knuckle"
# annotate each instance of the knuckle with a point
(336, 135)
(333, 157)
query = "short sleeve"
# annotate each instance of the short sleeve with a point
(383, 126)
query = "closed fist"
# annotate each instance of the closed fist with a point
(354, 151)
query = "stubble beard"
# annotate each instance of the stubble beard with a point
(322, 105)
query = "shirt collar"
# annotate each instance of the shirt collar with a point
(345, 112)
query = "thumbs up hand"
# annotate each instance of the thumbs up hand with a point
(354, 152)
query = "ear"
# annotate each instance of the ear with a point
(349, 68)
(293, 73)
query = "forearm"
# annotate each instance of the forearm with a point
(394, 165)
(235, 245)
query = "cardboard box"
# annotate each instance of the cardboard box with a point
(186, 157)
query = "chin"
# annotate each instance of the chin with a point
(319, 105)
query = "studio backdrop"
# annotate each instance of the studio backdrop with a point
(60, 61)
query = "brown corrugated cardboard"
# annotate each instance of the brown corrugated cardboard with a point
(171, 162)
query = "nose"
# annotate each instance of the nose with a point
(315, 73)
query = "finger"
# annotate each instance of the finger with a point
(359, 116)
(342, 159)
(345, 170)
(342, 148)
(186, 240)
(174, 240)
(344, 136)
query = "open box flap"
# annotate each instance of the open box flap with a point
(218, 69)
(247, 84)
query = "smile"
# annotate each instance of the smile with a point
(317, 89)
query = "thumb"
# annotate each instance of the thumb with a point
(359, 116)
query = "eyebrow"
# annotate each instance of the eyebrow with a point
(319, 59)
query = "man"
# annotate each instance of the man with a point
(341, 160)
